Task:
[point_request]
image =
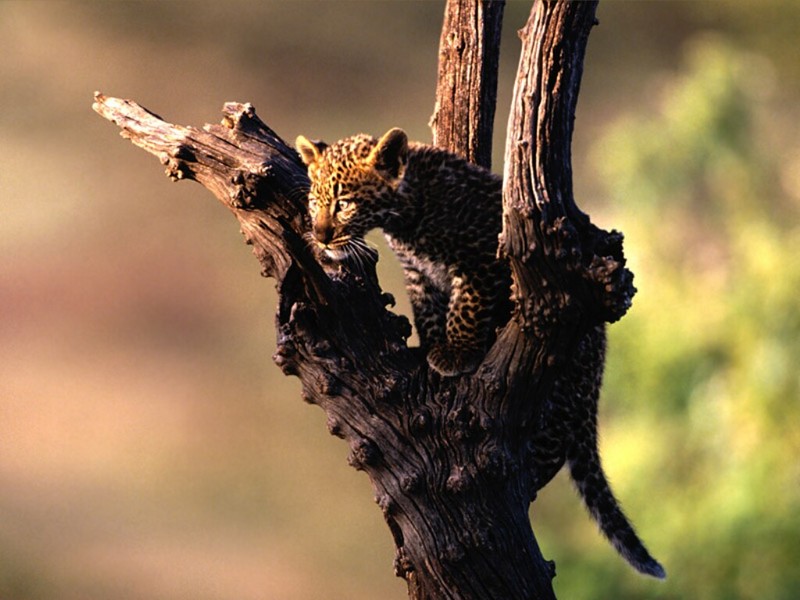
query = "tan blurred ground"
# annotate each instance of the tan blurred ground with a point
(148, 446)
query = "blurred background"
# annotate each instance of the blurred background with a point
(150, 449)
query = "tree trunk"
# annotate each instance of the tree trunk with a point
(450, 459)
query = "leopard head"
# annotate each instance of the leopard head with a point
(353, 186)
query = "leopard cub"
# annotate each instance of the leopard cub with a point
(441, 216)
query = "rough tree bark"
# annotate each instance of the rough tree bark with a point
(466, 90)
(450, 459)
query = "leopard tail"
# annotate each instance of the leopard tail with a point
(592, 485)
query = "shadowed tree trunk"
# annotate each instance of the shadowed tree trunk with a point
(450, 459)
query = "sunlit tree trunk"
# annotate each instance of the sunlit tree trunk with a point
(466, 89)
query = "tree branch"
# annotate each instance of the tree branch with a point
(545, 232)
(466, 90)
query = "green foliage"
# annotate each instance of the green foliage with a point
(705, 364)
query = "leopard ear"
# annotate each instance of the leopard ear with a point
(390, 155)
(310, 151)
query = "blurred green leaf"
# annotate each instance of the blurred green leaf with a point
(705, 366)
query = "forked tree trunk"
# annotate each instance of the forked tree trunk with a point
(450, 459)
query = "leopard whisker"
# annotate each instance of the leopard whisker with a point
(355, 256)
(367, 251)
(359, 254)
(369, 245)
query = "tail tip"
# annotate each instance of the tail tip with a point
(652, 568)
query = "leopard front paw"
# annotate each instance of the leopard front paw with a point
(450, 361)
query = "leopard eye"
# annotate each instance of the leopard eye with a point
(312, 205)
(344, 204)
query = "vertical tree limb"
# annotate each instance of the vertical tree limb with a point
(538, 172)
(466, 89)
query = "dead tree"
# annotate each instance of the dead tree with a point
(449, 458)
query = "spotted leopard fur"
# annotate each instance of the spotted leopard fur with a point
(441, 216)
(568, 435)
(428, 202)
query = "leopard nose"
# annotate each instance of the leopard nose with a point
(323, 233)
